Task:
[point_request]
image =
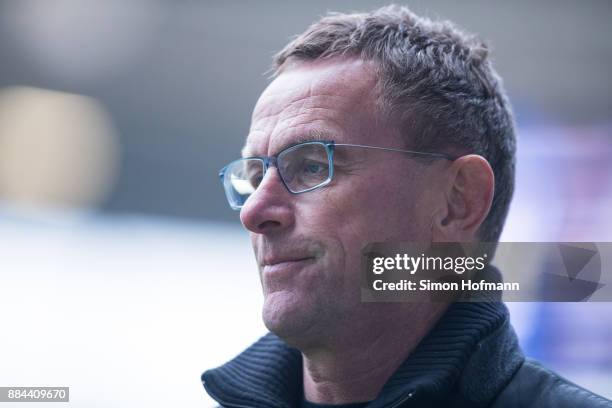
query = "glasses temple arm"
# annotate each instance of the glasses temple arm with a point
(440, 155)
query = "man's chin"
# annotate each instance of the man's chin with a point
(289, 316)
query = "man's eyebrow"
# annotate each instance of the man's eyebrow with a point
(311, 135)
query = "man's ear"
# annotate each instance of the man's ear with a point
(468, 190)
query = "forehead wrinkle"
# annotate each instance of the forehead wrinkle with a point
(304, 119)
(271, 111)
(310, 120)
(313, 117)
(311, 101)
(283, 109)
(320, 89)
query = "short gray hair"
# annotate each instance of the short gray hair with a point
(435, 79)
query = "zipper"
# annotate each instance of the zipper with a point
(401, 401)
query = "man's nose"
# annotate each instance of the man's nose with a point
(269, 209)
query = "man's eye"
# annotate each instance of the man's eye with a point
(314, 168)
(254, 177)
(255, 180)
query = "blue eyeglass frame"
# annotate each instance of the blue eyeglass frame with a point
(272, 161)
(330, 146)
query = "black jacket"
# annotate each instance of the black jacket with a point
(470, 359)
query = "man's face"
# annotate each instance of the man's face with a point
(308, 246)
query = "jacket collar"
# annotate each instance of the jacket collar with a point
(467, 358)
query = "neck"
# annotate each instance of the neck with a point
(354, 366)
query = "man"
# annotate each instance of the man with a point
(377, 127)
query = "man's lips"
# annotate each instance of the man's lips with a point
(277, 264)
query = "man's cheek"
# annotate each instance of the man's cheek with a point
(336, 198)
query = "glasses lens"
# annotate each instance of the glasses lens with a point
(304, 166)
(240, 180)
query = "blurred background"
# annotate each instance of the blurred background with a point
(124, 275)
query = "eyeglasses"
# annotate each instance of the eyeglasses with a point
(302, 167)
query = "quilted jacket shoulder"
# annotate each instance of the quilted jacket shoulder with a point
(535, 386)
